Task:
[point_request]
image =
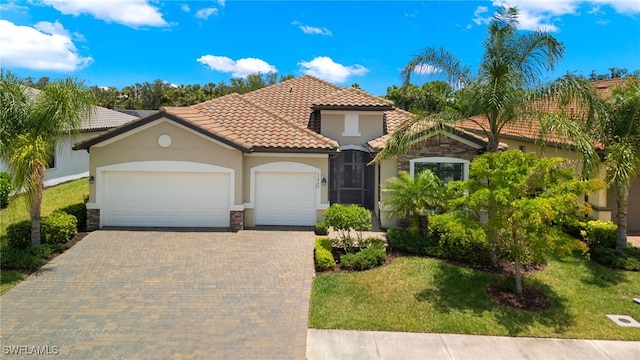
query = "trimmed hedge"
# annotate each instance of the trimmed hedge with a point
(55, 229)
(407, 241)
(80, 212)
(24, 259)
(323, 255)
(58, 228)
(321, 228)
(625, 259)
(364, 259)
(599, 233)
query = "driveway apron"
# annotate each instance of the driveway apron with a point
(162, 295)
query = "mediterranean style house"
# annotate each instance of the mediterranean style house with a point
(275, 156)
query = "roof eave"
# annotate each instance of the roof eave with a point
(85, 145)
(353, 107)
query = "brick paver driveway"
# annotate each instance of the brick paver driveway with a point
(159, 295)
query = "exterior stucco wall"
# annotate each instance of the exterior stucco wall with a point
(319, 161)
(185, 146)
(370, 126)
(633, 207)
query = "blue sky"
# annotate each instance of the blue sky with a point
(121, 42)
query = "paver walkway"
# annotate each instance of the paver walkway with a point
(162, 295)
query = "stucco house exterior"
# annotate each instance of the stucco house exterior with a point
(275, 156)
(70, 165)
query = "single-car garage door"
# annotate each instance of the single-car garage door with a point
(285, 198)
(166, 199)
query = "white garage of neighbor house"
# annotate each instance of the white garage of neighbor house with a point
(275, 156)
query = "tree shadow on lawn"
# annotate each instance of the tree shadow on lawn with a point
(602, 276)
(462, 289)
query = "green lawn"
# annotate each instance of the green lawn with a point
(425, 295)
(53, 198)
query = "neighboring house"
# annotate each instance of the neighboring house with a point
(70, 165)
(275, 156)
(523, 136)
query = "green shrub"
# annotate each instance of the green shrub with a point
(19, 234)
(625, 259)
(343, 219)
(80, 212)
(407, 241)
(459, 238)
(599, 233)
(24, 259)
(5, 189)
(321, 228)
(364, 259)
(371, 241)
(323, 255)
(58, 228)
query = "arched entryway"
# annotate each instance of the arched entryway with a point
(351, 181)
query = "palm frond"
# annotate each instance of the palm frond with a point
(442, 61)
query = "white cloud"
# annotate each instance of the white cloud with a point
(221, 2)
(478, 15)
(312, 29)
(325, 68)
(133, 13)
(541, 14)
(11, 6)
(206, 12)
(239, 68)
(185, 8)
(47, 46)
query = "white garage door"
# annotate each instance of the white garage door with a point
(285, 198)
(166, 199)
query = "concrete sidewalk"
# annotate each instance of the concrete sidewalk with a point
(383, 345)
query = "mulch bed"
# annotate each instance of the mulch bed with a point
(531, 298)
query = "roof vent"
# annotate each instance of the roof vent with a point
(291, 89)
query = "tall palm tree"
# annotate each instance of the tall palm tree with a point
(507, 89)
(621, 138)
(31, 122)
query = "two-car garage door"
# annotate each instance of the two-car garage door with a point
(166, 199)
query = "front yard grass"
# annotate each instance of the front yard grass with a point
(417, 294)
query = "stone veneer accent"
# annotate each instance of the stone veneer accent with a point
(237, 220)
(93, 219)
(438, 146)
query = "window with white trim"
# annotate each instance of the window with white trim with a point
(447, 169)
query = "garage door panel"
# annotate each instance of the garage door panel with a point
(166, 199)
(285, 198)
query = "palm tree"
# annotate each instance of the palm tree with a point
(411, 196)
(506, 90)
(31, 123)
(621, 138)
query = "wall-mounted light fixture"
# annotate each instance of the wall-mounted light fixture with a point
(324, 181)
(91, 179)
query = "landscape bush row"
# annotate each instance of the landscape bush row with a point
(55, 230)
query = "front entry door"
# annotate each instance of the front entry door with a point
(351, 181)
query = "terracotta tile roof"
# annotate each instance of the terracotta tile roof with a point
(528, 129)
(352, 98)
(250, 125)
(293, 98)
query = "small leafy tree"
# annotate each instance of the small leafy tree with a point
(343, 219)
(411, 196)
(526, 195)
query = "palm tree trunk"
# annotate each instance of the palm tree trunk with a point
(623, 199)
(36, 203)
